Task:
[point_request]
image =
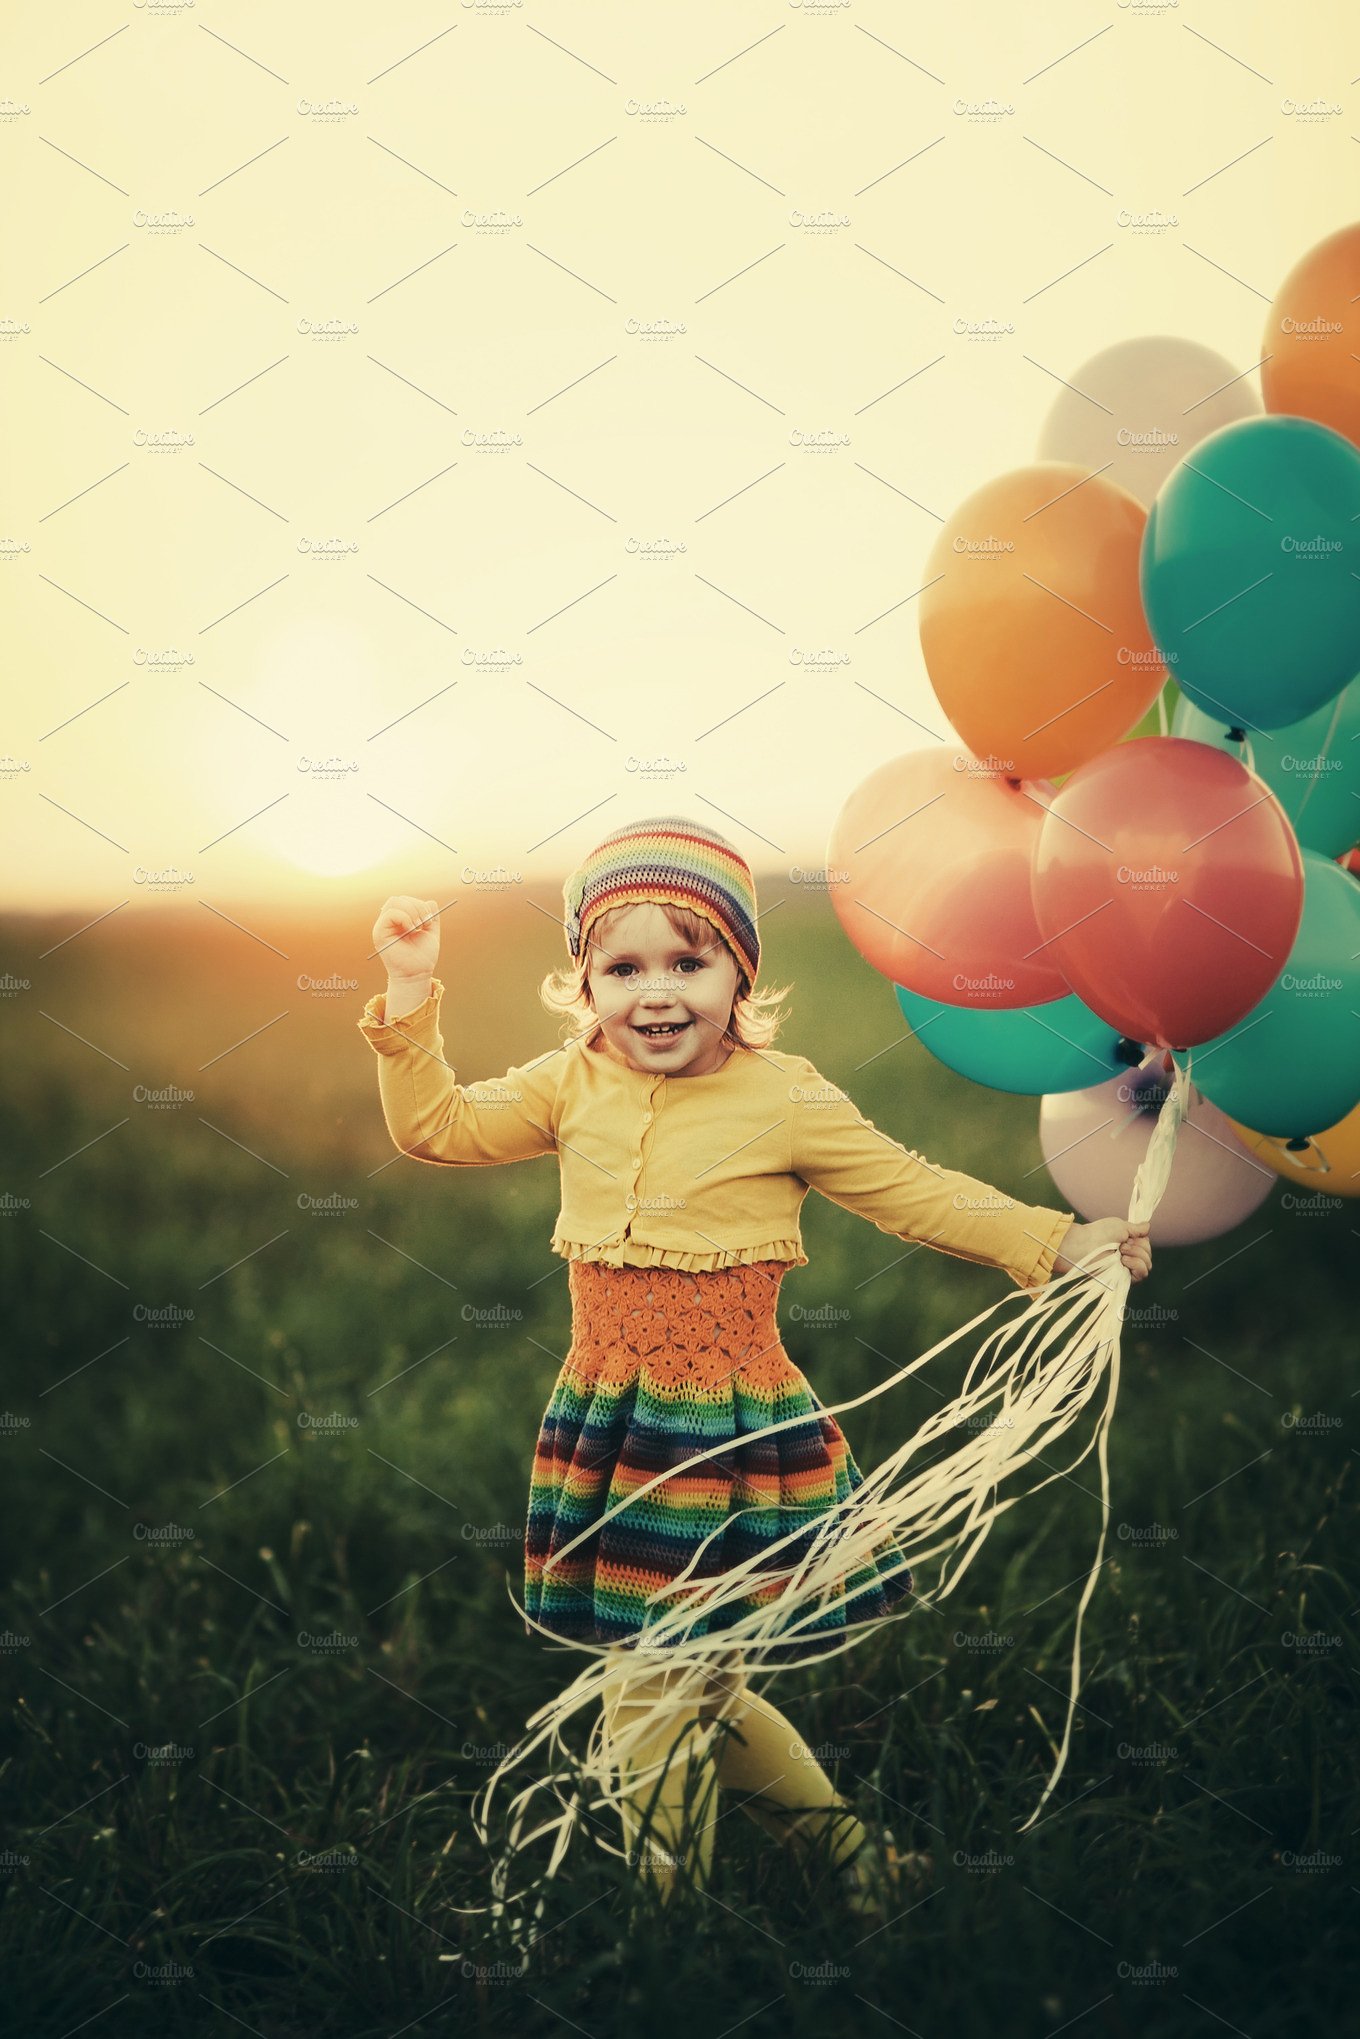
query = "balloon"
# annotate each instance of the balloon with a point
(1338, 1147)
(1249, 570)
(1168, 886)
(1312, 767)
(1028, 1049)
(930, 859)
(1135, 409)
(1033, 632)
(1292, 1064)
(1312, 337)
(1093, 1141)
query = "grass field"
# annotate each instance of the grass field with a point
(269, 1407)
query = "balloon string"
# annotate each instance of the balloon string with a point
(1243, 742)
(1134, 1114)
(1309, 1160)
(1149, 1186)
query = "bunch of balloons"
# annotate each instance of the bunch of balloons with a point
(1071, 900)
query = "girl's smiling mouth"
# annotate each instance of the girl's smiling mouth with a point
(662, 1035)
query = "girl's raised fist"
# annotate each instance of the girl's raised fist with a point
(406, 935)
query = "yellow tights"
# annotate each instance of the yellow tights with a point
(758, 1753)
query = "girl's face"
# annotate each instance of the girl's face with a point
(642, 974)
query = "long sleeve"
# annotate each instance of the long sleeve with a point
(432, 1117)
(836, 1150)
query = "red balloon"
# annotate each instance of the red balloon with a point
(929, 871)
(1168, 885)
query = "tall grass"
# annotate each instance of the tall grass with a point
(264, 1482)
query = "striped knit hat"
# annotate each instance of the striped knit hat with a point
(666, 858)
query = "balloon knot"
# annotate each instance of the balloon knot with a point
(1128, 1050)
(1297, 1146)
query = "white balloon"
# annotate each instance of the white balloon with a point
(1093, 1141)
(1142, 406)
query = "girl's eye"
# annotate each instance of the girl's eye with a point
(614, 968)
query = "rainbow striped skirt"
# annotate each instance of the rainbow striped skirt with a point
(664, 1364)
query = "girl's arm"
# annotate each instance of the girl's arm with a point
(845, 1156)
(404, 994)
(433, 1117)
(429, 1114)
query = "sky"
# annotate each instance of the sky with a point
(437, 438)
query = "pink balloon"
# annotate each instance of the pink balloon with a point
(1168, 883)
(931, 858)
(1093, 1141)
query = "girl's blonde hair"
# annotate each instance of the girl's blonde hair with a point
(754, 1021)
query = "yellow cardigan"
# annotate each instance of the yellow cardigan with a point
(692, 1171)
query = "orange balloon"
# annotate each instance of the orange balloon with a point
(1312, 337)
(1339, 1147)
(929, 872)
(1033, 629)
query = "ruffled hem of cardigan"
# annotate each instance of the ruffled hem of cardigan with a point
(1042, 1271)
(376, 1028)
(640, 1254)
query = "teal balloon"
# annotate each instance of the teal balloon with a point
(1250, 570)
(1312, 767)
(1291, 1066)
(1030, 1049)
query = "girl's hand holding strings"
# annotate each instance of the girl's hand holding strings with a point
(1135, 1246)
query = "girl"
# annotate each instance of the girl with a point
(664, 1518)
